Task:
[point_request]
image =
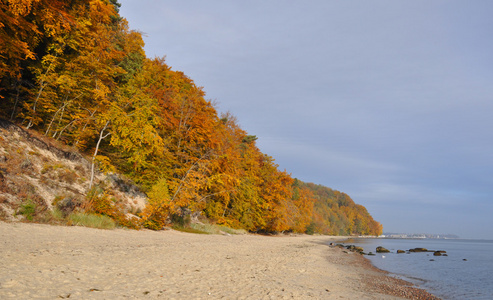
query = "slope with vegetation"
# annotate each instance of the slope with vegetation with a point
(45, 181)
(73, 71)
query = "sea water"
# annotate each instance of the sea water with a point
(465, 273)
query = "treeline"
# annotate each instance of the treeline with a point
(335, 213)
(74, 71)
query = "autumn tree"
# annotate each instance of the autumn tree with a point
(74, 71)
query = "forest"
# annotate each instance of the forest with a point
(74, 71)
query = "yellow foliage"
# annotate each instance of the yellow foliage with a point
(105, 164)
(78, 69)
(159, 193)
(154, 216)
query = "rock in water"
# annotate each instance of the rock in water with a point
(418, 250)
(381, 249)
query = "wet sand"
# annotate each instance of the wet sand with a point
(56, 262)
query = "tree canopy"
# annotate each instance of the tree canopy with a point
(74, 71)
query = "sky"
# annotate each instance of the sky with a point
(390, 102)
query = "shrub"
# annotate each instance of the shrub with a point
(311, 228)
(154, 216)
(157, 213)
(181, 220)
(27, 209)
(98, 201)
(66, 205)
(60, 172)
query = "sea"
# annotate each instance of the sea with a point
(465, 273)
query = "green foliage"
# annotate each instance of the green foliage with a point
(249, 139)
(27, 209)
(311, 228)
(181, 220)
(57, 215)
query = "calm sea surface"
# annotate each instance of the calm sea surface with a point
(466, 273)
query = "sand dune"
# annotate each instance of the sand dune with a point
(53, 262)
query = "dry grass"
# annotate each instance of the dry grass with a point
(50, 143)
(216, 229)
(91, 220)
(67, 176)
(189, 229)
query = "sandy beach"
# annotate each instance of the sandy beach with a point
(56, 262)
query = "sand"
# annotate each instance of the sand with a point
(56, 262)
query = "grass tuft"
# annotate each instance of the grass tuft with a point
(216, 229)
(91, 220)
(189, 229)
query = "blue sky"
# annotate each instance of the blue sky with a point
(387, 101)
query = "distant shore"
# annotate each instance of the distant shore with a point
(49, 262)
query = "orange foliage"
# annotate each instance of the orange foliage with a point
(74, 71)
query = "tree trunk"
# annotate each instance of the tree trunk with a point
(101, 137)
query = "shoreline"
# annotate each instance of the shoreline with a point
(47, 262)
(398, 285)
(384, 282)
